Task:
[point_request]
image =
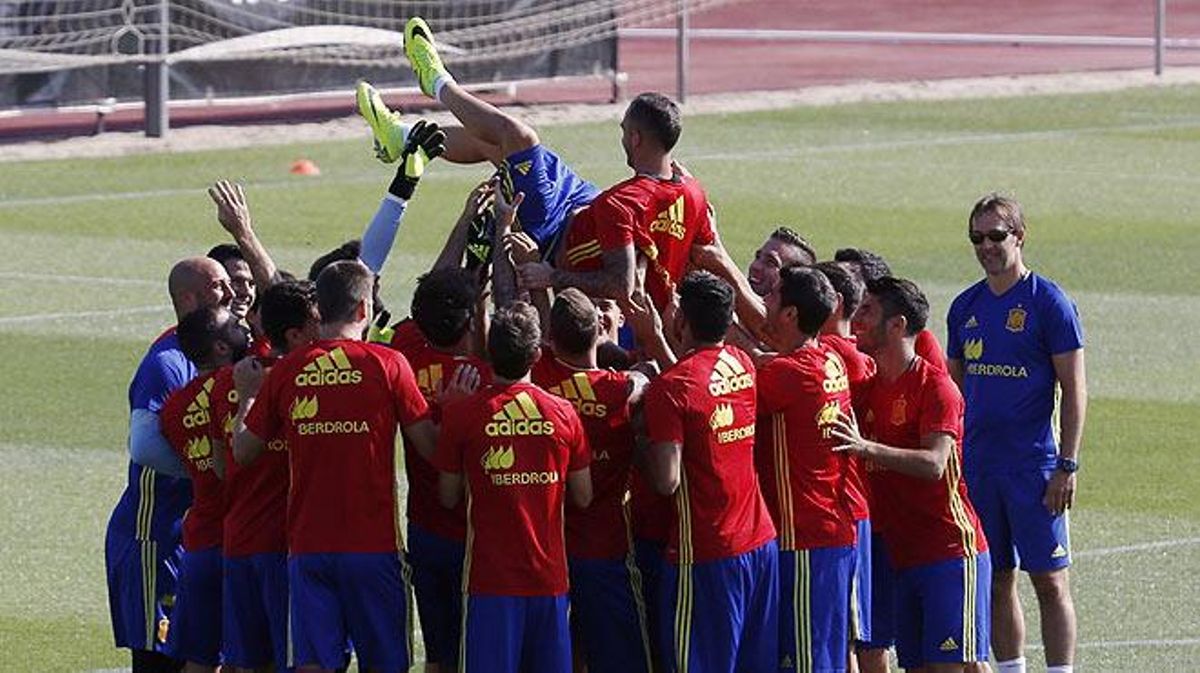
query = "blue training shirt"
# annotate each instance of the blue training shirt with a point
(1005, 344)
(153, 504)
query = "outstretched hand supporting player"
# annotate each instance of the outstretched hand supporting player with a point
(462, 384)
(845, 428)
(425, 142)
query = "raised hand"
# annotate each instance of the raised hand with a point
(232, 211)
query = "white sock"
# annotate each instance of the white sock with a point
(1062, 668)
(442, 80)
(1011, 666)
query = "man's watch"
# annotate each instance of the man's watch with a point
(1068, 465)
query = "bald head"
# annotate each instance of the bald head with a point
(198, 282)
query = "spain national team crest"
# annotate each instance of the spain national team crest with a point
(1016, 320)
(899, 411)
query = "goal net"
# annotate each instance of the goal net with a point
(73, 49)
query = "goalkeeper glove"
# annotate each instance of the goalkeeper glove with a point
(425, 142)
(380, 332)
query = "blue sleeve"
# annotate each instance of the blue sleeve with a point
(954, 348)
(377, 240)
(159, 375)
(1063, 330)
(148, 447)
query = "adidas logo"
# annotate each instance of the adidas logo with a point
(197, 411)
(971, 323)
(973, 349)
(330, 369)
(948, 645)
(722, 417)
(519, 416)
(670, 221)
(304, 408)
(1059, 552)
(429, 379)
(786, 662)
(728, 376)
(578, 391)
(497, 458)
(836, 379)
(523, 167)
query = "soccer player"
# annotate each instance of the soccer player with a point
(783, 248)
(213, 339)
(254, 596)
(913, 420)
(871, 651)
(240, 278)
(1013, 337)
(608, 615)
(437, 342)
(337, 403)
(801, 392)
(720, 588)
(141, 547)
(519, 452)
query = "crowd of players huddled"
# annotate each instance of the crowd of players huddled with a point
(622, 453)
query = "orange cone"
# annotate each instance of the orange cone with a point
(305, 167)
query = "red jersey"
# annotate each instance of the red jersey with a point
(184, 420)
(514, 445)
(432, 368)
(662, 219)
(927, 347)
(860, 369)
(601, 398)
(803, 478)
(255, 494)
(923, 521)
(651, 511)
(706, 403)
(337, 403)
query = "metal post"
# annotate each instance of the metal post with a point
(682, 57)
(158, 78)
(1160, 34)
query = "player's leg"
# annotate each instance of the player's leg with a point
(315, 615)
(954, 621)
(860, 593)
(1008, 620)
(1058, 616)
(437, 585)
(246, 626)
(390, 131)
(139, 618)
(649, 556)
(759, 647)
(546, 642)
(195, 633)
(493, 634)
(606, 605)
(375, 593)
(872, 655)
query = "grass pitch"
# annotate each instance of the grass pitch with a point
(1108, 182)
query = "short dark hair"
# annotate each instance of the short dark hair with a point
(869, 265)
(849, 285)
(340, 288)
(790, 237)
(443, 303)
(286, 306)
(348, 250)
(222, 253)
(514, 340)
(199, 331)
(898, 296)
(811, 293)
(657, 116)
(707, 304)
(574, 322)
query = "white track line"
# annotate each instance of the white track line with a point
(67, 278)
(1116, 644)
(1134, 548)
(39, 317)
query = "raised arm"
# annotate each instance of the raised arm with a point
(234, 215)
(614, 280)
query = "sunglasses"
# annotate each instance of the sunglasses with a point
(995, 236)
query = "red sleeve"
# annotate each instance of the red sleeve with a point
(581, 451)
(411, 406)
(706, 228)
(927, 347)
(171, 421)
(447, 456)
(260, 419)
(615, 221)
(941, 406)
(665, 409)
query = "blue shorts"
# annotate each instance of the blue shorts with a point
(725, 613)
(650, 562)
(860, 585)
(255, 611)
(366, 598)
(141, 590)
(195, 633)
(1019, 528)
(814, 609)
(437, 567)
(883, 598)
(552, 192)
(947, 612)
(608, 615)
(516, 634)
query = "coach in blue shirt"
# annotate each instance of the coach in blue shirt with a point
(1014, 338)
